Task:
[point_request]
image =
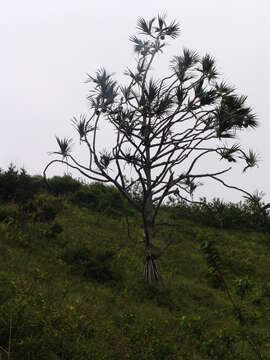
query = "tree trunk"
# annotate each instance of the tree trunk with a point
(151, 273)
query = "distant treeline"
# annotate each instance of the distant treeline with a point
(20, 187)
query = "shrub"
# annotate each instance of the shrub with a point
(8, 183)
(9, 212)
(86, 197)
(223, 215)
(7, 289)
(63, 185)
(99, 197)
(44, 207)
(96, 266)
(18, 185)
(53, 230)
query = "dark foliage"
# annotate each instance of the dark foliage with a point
(99, 197)
(94, 266)
(17, 185)
(224, 215)
(63, 185)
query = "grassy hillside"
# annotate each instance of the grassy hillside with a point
(71, 287)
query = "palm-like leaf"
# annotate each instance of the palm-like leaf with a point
(251, 159)
(250, 120)
(173, 30)
(207, 97)
(224, 89)
(208, 67)
(65, 145)
(151, 90)
(106, 88)
(161, 23)
(229, 152)
(190, 57)
(224, 123)
(180, 64)
(234, 102)
(101, 78)
(164, 106)
(82, 126)
(241, 115)
(126, 92)
(145, 27)
(105, 159)
(180, 94)
(139, 45)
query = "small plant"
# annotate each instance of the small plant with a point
(243, 288)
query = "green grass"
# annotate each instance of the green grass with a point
(79, 293)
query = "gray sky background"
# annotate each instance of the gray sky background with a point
(47, 47)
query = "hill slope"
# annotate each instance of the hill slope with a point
(71, 287)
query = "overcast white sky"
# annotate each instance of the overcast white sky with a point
(47, 47)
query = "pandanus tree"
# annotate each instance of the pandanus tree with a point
(161, 129)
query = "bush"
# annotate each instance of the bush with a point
(9, 212)
(86, 197)
(8, 183)
(99, 197)
(18, 186)
(63, 185)
(44, 207)
(7, 289)
(98, 267)
(216, 213)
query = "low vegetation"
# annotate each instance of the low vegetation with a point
(71, 283)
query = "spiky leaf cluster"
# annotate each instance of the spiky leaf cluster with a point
(64, 146)
(105, 90)
(105, 159)
(82, 125)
